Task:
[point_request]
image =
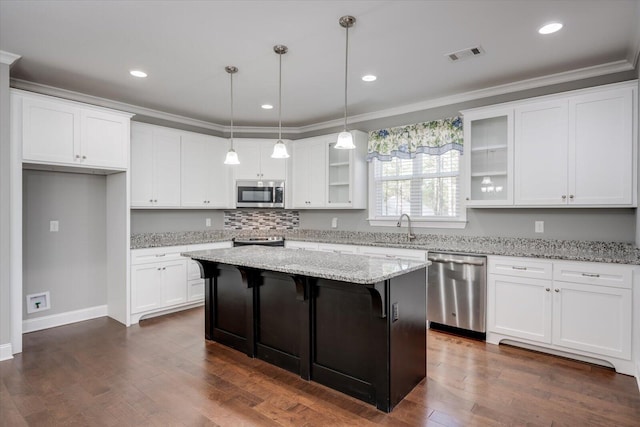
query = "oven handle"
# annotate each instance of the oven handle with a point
(455, 261)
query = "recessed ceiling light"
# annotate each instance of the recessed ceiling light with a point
(267, 106)
(550, 28)
(138, 73)
(369, 78)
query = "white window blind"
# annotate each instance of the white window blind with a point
(426, 187)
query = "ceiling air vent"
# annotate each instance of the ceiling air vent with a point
(465, 53)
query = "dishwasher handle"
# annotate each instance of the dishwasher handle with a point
(455, 261)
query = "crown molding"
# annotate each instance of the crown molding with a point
(8, 57)
(552, 79)
(634, 53)
(114, 105)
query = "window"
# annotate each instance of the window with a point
(426, 187)
(415, 170)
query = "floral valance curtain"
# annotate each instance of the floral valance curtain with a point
(435, 138)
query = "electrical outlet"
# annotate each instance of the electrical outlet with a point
(207, 222)
(334, 222)
(539, 226)
(54, 226)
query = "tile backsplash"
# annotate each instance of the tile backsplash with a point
(261, 219)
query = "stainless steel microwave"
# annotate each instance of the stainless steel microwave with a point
(260, 194)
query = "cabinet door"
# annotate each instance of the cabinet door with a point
(339, 177)
(541, 154)
(591, 318)
(601, 148)
(489, 140)
(166, 168)
(146, 287)
(105, 139)
(174, 283)
(272, 169)
(205, 178)
(519, 307)
(309, 174)
(195, 290)
(141, 166)
(50, 132)
(249, 156)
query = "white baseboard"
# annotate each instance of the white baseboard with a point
(46, 322)
(5, 352)
(638, 374)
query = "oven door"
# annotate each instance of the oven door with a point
(259, 194)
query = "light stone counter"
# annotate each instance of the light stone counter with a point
(358, 269)
(571, 250)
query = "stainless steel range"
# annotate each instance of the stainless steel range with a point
(263, 241)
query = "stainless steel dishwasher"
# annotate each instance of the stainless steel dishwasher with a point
(457, 291)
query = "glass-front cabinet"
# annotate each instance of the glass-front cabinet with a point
(339, 176)
(488, 152)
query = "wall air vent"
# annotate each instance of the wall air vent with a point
(465, 53)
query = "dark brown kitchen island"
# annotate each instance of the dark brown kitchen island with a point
(353, 323)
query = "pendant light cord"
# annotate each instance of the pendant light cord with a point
(231, 75)
(346, 67)
(280, 99)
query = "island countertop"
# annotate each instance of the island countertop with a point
(358, 269)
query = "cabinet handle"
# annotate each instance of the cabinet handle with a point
(159, 268)
(164, 268)
(150, 200)
(571, 196)
(467, 199)
(514, 267)
(564, 197)
(155, 200)
(77, 156)
(590, 274)
(84, 157)
(391, 256)
(159, 255)
(547, 289)
(557, 290)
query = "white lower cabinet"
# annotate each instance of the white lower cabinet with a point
(163, 280)
(582, 309)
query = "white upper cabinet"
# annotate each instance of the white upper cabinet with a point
(206, 180)
(324, 177)
(489, 165)
(256, 162)
(541, 134)
(309, 173)
(572, 149)
(155, 166)
(65, 133)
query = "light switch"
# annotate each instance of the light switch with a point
(54, 226)
(539, 227)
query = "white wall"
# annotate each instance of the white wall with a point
(70, 263)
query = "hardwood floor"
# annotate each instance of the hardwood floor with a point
(163, 373)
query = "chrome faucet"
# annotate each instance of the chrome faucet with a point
(410, 235)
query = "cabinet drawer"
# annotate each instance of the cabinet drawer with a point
(208, 246)
(392, 253)
(305, 246)
(618, 276)
(143, 256)
(520, 267)
(338, 249)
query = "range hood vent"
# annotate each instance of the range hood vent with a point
(465, 53)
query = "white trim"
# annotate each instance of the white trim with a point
(135, 318)
(417, 223)
(5, 352)
(54, 320)
(552, 79)
(567, 76)
(8, 57)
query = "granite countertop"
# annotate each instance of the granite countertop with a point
(571, 250)
(359, 269)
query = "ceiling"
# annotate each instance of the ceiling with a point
(90, 46)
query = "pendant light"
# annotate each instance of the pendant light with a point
(345, 139)
(232, 156)
(279, 149)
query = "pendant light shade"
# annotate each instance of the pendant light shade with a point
(345, 139)
(279, 149)
(232, 156)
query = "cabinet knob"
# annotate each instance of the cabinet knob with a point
(564, 197)
(557, 290)
(571, 196)
(77, 156)
(155, 200)
(467, 199)
(150, 200)
(84, 157)
(547, 289)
